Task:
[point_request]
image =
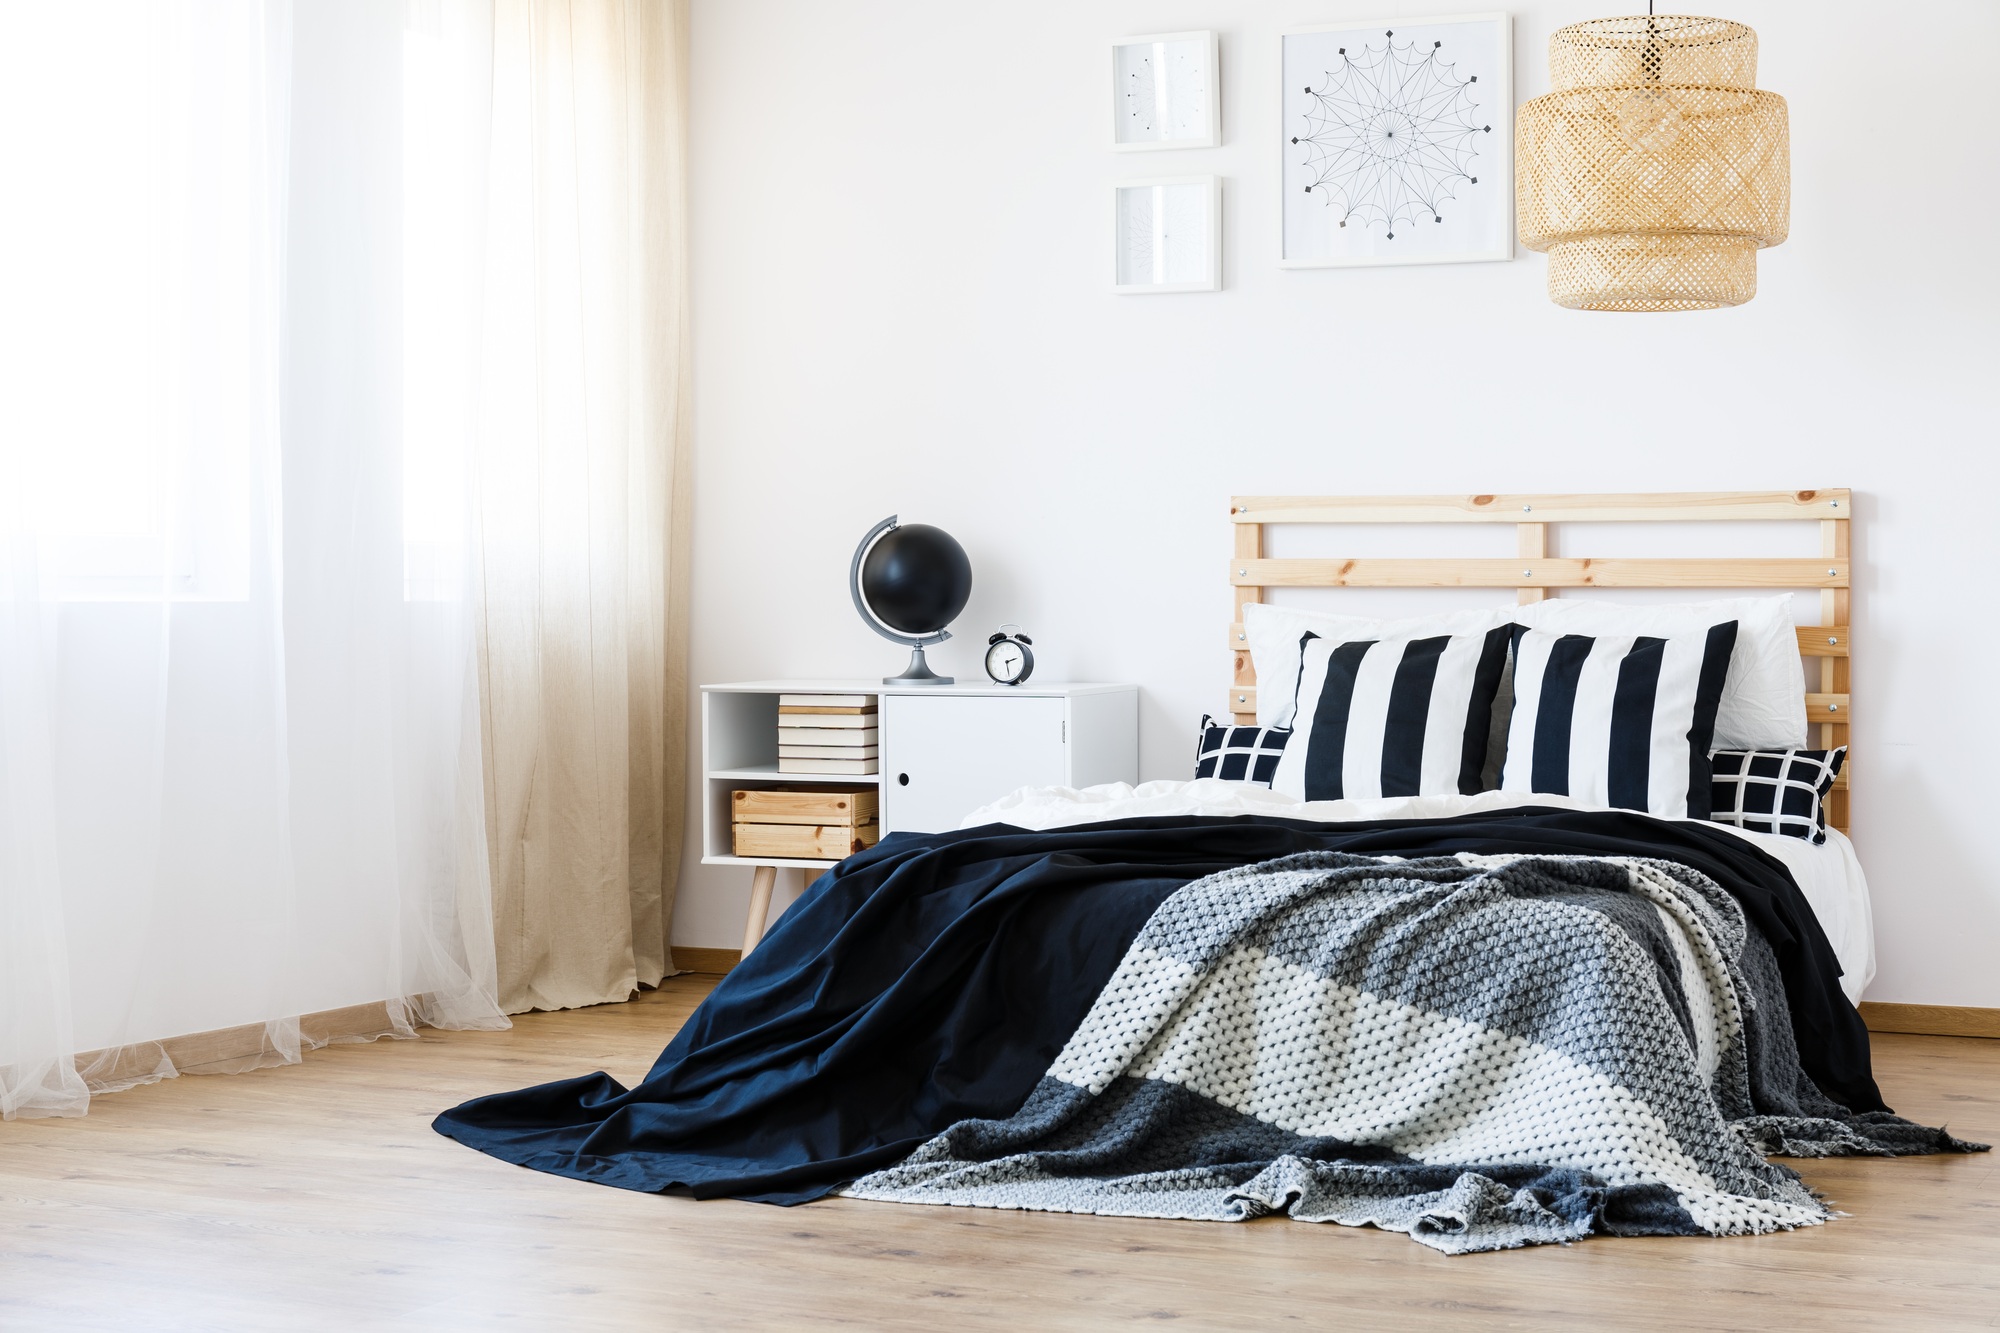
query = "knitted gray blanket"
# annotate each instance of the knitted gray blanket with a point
(1482, 1052)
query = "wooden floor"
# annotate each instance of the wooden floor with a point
(317, 1196)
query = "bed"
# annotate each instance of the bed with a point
(1475, 965)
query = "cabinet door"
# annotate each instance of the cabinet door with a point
(943, 758)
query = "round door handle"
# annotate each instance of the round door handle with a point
(902, 779)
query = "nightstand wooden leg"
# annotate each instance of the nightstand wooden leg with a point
(760, 906)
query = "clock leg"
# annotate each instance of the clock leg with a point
(761, 881)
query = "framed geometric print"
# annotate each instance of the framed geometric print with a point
(1397, 142)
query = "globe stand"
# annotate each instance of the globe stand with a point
(918, 672)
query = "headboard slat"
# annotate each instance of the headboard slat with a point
(1672, 507)
(1833, 641)
(1547, 572)
(1818, 640)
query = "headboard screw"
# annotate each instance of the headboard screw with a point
(1527, 509)
(1833, 638)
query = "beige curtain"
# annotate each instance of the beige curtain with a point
(583, 477)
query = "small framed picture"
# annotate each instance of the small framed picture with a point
(1397, 142)
(1163, 92)
(1167, 235)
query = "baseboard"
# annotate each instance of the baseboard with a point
(1933, 1020)
(233, 1050)
(713, 961)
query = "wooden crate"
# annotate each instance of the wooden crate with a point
(852, 806)
(810, 842)
(816, 823)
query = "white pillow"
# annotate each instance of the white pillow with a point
(1274, 632)
(1764, 698)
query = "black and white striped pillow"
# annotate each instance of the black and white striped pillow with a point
(1240, 754)
(1774, 791)
(1617, 720)
(1392, 717)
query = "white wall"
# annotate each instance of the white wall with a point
(899, 306)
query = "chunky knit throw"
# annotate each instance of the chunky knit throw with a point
(1482, 1052)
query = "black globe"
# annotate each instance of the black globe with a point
(916, 579)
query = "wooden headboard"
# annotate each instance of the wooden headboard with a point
(1537, 572)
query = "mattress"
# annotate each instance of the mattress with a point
(1829, 875)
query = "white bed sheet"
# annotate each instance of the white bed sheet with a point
(1829, 875)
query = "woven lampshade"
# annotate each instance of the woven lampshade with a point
(1654, 171)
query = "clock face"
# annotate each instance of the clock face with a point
(1004, 661)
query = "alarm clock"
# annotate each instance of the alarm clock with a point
(1010, 658)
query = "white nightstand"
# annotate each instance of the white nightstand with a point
(945, 751)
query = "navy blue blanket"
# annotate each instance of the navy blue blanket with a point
(933, 978)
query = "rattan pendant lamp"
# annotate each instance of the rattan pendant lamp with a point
(1654, 171)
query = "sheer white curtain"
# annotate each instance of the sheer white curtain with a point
(343, 523)
(240, 760)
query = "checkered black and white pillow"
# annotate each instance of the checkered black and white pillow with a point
(1774, 791)
(1241, 754)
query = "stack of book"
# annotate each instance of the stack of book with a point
(827, 733)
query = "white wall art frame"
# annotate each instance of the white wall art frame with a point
(1166, 235)
(1397, 142)
(1164, 92)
